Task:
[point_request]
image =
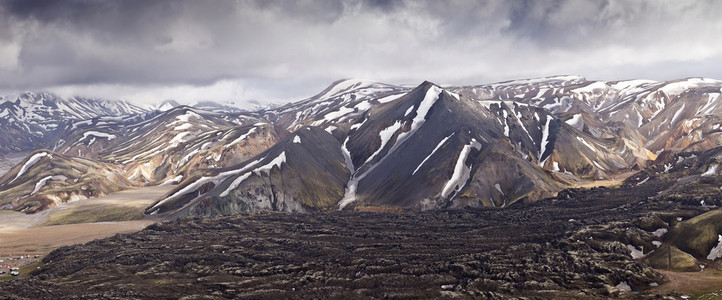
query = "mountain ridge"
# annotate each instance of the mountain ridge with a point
(427, 147)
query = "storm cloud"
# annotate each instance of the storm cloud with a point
(275, 50)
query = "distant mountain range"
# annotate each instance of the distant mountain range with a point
(364, 145)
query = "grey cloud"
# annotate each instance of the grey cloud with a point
(280, 48)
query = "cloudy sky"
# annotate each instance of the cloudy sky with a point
(280, 50)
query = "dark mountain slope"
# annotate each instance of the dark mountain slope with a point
(305, 171)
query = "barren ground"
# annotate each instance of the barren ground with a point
(691, 282)
(77, 222)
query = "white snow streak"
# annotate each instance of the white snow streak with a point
(30, 163)
(203, 180)
(581, 139)
(545, 138)
(337, 114)
(461, 171)
(235, 184)
(275, 162)
(297, 139)
(385, 136)
(408, 111)
(174, 180)
(676, 114)
(42, 182)
(183, 127)
(350, 193)
(432, 153)
(506, 126)
(241, 138)
(98, 134)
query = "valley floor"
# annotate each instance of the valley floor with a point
(76, 222)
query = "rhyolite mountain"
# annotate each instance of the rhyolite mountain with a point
(361, 144)
(46, 179)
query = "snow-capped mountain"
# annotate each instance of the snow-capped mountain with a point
(425, 149)
(30, 120)
(361, 143)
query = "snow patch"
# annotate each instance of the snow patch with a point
(98, 134)
(624, 286)
(174, 180)
(676, 114)
(659, 232)
(42, 182)
(275, 162)
(576, 121)
(188, 116)
(636, 254)
(498, 188)
(716, 252)
(337, 114)
(390, 98)
(363, 106)
(203, 180)
(297, 139)
(461, 171)
(183, 127)
(235, 184)
(711, 171)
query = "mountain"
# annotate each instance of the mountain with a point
(163, 146)
(30, 121)
(381, 146)
(339, 104)
(643, 117)
(202, 105)
(426, 149)
(45, 179)
(306, 171)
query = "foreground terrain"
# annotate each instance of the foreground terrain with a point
(584, 243)
(530, 250)
(35, 235)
